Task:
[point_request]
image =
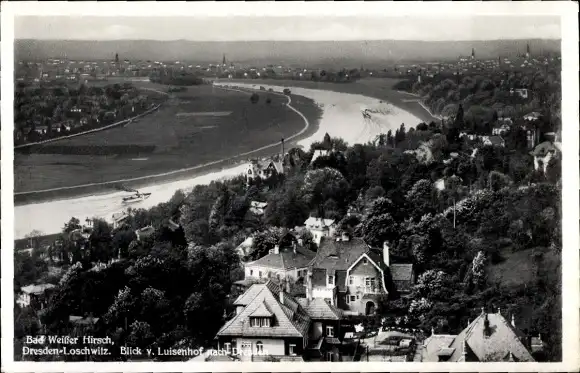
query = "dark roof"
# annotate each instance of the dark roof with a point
(319, 309)
(285, 259)
(542, 149)
(502, 341)
(290, 320)
(495, 140)
(335, 255)
(401, 272)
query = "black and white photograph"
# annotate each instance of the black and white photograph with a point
(289, 189)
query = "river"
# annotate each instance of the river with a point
(342, 116)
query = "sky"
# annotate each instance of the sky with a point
(244, 28)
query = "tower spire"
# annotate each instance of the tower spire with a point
(224, 60)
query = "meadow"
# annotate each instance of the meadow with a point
(199, 125)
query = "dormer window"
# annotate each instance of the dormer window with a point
(260, 322)
(330, 280)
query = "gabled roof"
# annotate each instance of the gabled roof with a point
(285, 259)
(335, 255)
(319, 309)
(36, 289)
(319, 223)
(495, 347)
(290, 320)
(542, 149)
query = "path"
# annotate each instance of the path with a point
(174, 172)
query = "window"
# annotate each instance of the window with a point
(291, 349)
(352, 298)
(228, 346)
(329, 355)
(259, 347)
(251, 272)
(351, 280)
(365, 261)
(346, 298)
(329, 331)
(260, 274)
(330, 280)
(259, 322)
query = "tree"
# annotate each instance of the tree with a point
(254, 98)
(323, 184)
(420, 198)
(380, 228)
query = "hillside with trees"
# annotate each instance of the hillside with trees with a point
(494, 213)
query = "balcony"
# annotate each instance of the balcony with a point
(371, 289)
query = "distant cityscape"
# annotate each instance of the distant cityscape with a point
(69, 70)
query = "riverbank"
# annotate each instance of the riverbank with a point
(307, 112)
(341, 117)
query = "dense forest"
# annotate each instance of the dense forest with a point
(490, 237)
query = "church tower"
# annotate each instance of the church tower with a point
(224, 60)
(528, 50)
(472, 53)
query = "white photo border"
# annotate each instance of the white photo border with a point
(568, 11)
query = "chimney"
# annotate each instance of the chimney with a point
(300, 242)
(432, 331)
(486, 328)
(276, 249)
(513, 321)
(499, 311)
(309, 286)
(344, 236)
(281, 288)
(282, 142)
(386, 254)
(287, 282)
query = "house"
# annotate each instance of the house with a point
(493, 141)
(263, 169)
(468, 135)
(83, 323)
(245, 248)
(488, 338)
(534, 115)
(258, 208)
(544, 152)
(119, 218)
(326, 331)
(521, 92)
(283, 262)
(31, 293)
(41, 130)
(352, 276)
(144, 232)
(268, 323)
(500, 129)
(320, 228)
(319, 153)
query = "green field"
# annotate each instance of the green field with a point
(200, 125)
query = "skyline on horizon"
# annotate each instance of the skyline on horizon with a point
(289, 28)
